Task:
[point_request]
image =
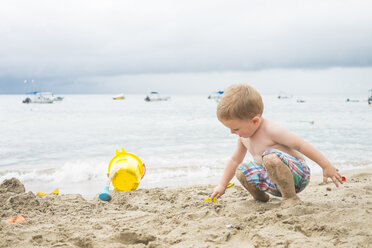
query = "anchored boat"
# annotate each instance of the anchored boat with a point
(119, 97)
(216, 95)
(155, 97)
(39, 97)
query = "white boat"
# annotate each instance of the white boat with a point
(58, 98)
(283, 95)
(39, 97)
(155, 97)
(370, 97)
(351, 100)
(216, 95)
(119, 97)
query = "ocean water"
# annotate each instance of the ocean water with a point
(69, 144)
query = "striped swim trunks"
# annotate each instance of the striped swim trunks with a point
(256, 174)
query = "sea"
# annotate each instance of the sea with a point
(69, 144)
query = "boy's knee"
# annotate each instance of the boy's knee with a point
(271, 160)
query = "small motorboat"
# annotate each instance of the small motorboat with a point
(351, 100)
(216, 95)
(155, 97)
(119, 97)
(39, 97)
(370, 97)
(58, 98)
(283, 95)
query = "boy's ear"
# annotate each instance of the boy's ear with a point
(256, 119)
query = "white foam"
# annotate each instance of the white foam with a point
(68, 172)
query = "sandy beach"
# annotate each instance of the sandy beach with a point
(179, 217)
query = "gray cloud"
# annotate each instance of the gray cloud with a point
(63, 44)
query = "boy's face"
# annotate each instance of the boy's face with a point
(242, 128)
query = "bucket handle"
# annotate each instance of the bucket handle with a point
(144, 170)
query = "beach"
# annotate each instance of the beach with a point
(110, 96)
(179, 217)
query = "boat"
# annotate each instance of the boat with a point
(155, 97)
(370, 97)
(216, 95)
(39, 97)
(283, 95)
(351, 100)
(58, 98)
(119, 97)
(299, 100)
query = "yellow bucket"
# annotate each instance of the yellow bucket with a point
(126, 171)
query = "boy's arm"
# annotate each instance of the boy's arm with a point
(229, 172)
(289, 139)
(314, 154)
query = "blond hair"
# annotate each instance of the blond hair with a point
(240, 101)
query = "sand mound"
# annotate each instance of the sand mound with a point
(12, 186)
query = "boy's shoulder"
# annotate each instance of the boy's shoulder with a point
(271, 126)
(269, 123)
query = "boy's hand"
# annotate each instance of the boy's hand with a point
(333, 173)
(218, 191)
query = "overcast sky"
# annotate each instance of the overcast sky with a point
(189, 46)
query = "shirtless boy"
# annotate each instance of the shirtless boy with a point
(278, 165)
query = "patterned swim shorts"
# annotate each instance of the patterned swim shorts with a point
(256, 174)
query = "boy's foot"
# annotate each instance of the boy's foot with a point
(289, 202)
(262, 197)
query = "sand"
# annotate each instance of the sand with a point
(178, 217)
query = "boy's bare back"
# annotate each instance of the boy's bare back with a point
(266, 137)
